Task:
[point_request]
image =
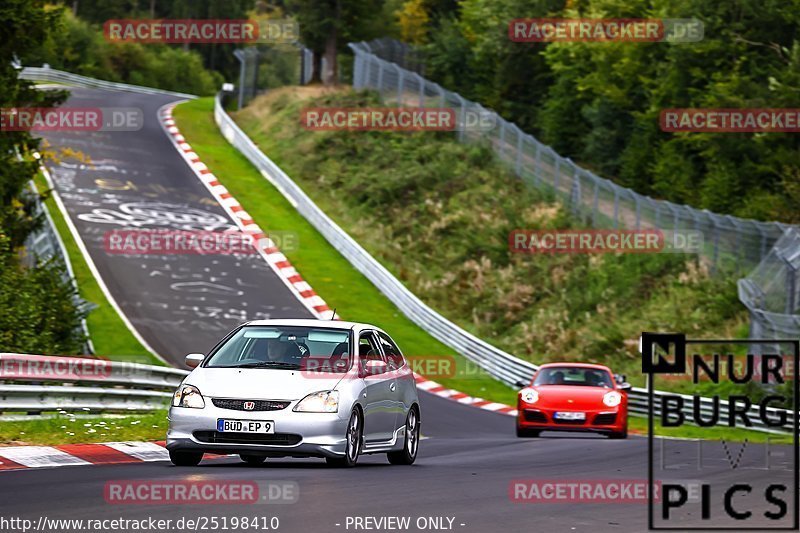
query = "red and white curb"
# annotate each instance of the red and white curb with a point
(451, 394)
(24, 457)
(266, 246)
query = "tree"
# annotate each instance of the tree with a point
(326, 26)
(38, 314)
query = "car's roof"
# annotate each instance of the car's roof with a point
(312, 323)
(576, 365)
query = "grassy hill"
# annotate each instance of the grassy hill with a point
(438, 213)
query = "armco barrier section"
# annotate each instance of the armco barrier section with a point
(44, 74)
(495, 362)
(46, 383)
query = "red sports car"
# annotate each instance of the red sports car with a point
(573, 397)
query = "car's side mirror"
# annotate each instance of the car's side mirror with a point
(624, 386)
(521, 384)
(194, 359)
(374, 366)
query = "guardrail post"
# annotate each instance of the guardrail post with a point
(239, 54)
(421, 82)
(502, 139)
(556, 172)
(518, 162)
(462, 115)
(380, 79)
(399, 86)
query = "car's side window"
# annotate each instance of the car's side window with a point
(368, 350)
(394, 358)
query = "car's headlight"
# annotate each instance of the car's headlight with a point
(529, 395)
(188, 396)
(612, 399)
(319, 402)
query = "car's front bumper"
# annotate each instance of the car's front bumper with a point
(608, 420)
(296, 434)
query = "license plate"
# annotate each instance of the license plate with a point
(245, 426)
(570, 416)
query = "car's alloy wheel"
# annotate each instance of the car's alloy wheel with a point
(353, 443)
(253, 459)
(408, 454)
(185, 458)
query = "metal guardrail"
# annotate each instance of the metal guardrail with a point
(50, 75)
(733, 242)
(497, 363)
(638, 404)
(36, 383)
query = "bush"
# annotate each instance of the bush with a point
(79, 47)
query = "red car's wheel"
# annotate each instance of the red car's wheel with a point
(619, 434)
(525, 433)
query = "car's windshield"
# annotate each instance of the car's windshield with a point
(570, 375)
(285, 347)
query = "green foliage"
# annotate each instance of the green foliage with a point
(599, 103)
(38, 314)
(78, 46)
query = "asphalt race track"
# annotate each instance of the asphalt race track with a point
(468, 459)
(137, 180)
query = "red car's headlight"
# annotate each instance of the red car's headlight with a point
(612, 399)
(529, 395)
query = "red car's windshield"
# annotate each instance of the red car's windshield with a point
(570, 375)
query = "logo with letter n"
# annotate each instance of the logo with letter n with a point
(663, 353)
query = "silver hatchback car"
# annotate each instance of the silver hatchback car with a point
(297, 388)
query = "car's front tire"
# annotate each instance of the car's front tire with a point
(619, 434)
(525, 433)
(408, 454)
(180, 458)
(353, 443)
(252, 459)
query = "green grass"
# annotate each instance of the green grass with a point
(109, 335)
(639, 425)
(331, 276)
(65, 429)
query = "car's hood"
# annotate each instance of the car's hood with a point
(569, 397)
(260, 383)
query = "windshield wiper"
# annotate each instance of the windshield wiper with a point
(266, 364)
